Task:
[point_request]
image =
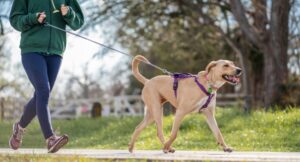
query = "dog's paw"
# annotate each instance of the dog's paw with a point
(227, 149)
(130, 148)
(171, 150)
(168, 150)
(165, 151)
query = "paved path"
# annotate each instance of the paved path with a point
(158, 155)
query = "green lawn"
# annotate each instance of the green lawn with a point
(45, 158)
(259, 131)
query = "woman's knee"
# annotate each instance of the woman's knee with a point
(43, 91)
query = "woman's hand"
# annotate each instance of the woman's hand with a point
(64, 9)
(41, 17)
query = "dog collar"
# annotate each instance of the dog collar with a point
(211, 87)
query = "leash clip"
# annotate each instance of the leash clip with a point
(166, 72)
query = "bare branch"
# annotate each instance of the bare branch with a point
(238, 11)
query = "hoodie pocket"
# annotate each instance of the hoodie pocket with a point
(35, 37)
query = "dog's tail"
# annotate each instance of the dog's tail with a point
(135, 68)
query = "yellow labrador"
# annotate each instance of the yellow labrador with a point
(189, 98)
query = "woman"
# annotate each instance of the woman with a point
(42, 50)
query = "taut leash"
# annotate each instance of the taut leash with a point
(165, 71)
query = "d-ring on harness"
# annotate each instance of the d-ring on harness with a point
(178, 76)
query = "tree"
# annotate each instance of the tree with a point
(254, 30)
(83, 85)
(270, 35)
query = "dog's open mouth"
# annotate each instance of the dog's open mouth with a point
(232, 79)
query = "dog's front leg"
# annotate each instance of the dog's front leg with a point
(176, 124)
(212, 123)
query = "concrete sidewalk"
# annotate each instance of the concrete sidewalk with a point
(159, 155)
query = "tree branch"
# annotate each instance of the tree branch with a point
(239, 13)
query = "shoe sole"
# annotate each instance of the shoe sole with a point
(59, 144)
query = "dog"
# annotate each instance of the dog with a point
(189, 98)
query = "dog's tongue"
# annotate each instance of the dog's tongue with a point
(236, 79)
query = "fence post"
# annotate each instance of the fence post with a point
(1, 108)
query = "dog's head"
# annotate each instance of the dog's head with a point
(224, 70)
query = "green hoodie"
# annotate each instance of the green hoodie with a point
(38, 38)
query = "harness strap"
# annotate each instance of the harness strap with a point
(178, 76)
(207, 101)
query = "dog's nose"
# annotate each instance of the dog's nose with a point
(238, 71)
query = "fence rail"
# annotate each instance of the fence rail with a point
(132, 105)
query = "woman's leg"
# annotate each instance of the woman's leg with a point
(36, 69)
(42, 72)
(53, 65)
(29, 112)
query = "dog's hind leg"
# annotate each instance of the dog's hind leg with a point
(158, 119)
(146, 121)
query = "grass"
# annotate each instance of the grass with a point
(44, 158)
(60, 158)
(259, 131)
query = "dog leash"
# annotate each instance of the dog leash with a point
(165, 71)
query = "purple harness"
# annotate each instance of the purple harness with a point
(178, 76)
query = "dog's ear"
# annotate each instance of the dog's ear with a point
(210, 65)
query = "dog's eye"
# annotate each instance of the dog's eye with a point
(226, 65)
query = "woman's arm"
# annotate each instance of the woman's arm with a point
(19, 18)
(74, 17)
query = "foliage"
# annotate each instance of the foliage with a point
(290, 94)
(3, 64)
(259, 131)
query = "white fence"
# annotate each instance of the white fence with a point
(124, 106)
(117, 106)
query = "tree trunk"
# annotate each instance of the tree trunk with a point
(275, 52)
(270, 78)
(2, 109)
(257, 89)
(273, 42)
(247, 89)
(279, 31)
